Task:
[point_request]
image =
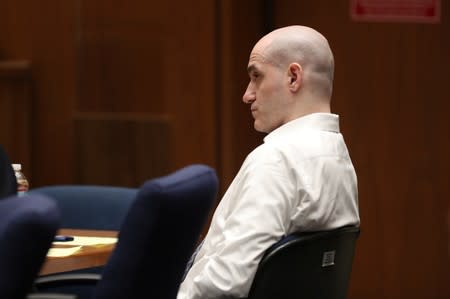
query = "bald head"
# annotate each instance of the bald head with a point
(291, 75)
(308, 48)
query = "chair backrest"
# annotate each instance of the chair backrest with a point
(159, 235)
(8, 183)
(90, 207)
(27, 227)
(307, 265)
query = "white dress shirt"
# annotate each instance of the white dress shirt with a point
(300, 179)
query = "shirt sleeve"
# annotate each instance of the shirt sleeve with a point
(256, 218)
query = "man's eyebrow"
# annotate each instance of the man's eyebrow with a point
(252, 68)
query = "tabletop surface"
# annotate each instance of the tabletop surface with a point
(85, 257)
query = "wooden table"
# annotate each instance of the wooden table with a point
(86, 257)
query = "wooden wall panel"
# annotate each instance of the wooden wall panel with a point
(136, 58)
(123, 150)
(148, 58)
(121, 57)
(241, 24)
(15, 28)
(15, 112)
(43, 32)
(391, 90)
(190, 81)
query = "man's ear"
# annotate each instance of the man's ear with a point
(295, 74)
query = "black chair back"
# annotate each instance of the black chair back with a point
(8, 182)
(307, 265)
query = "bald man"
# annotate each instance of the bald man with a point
(300, 179)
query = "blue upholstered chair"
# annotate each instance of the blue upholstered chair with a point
(8, 183)
(156, 239)
(27, 227)
(307, 265)
(90, 207)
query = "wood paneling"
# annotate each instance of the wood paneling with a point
(153, 58)
(136, 57)
(391, 90)
(122, 57)
(43, 32)
(15, 112)
(241, 24)
(120, 150)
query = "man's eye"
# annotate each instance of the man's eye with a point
(255, 76)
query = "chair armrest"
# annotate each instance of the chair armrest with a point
(62, 280)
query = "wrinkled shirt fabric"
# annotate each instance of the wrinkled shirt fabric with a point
(300, 179)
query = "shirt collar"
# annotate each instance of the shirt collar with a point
(314, 121)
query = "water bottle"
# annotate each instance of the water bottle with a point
(22, 182)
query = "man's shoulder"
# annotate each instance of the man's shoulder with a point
(265, 152)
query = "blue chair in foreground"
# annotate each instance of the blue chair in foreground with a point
(156, 239)
(90, 207)
(313, 265)
(27, 227)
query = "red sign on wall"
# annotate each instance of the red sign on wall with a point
(414, 11)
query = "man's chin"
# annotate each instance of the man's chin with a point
(259, 128)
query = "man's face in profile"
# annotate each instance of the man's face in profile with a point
(266, 93)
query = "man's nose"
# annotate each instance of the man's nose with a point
(249, 96)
